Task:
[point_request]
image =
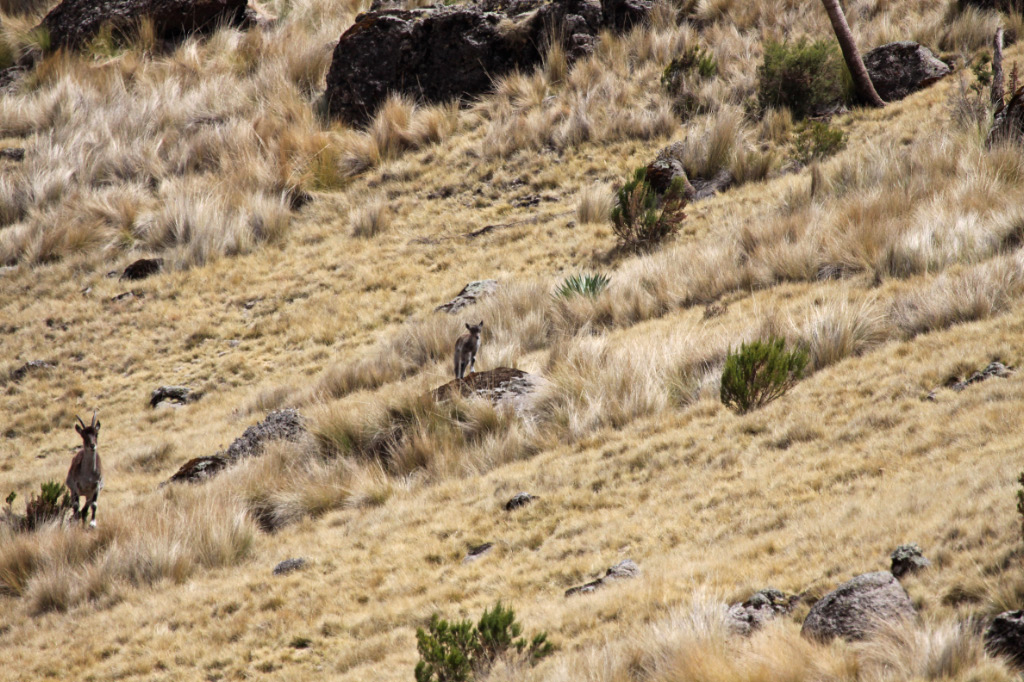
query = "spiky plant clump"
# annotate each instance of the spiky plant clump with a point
(50, 504)
(641, 219)
(760, 372)
(590, 284)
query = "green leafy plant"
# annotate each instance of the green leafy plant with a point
(641, 218)
(591, 285)
(694, 60)
(462, 651)
(760, 372)
(818, 140)
(50, 504)
(808, 78)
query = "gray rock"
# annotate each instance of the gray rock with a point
(289, 565)
(623, 15)
(441, 53)
(285, 424)
(198, 469)
(470, 294)
(624, 570)
(1005, 637)
(908, 559)
(668, 165)
(31, 366)
(73, 23)
(751, 615)
(519, 500)
(898, 69)
(994, 369)
(502, 386)
(854, 609)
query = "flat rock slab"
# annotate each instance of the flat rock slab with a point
(199, 469)
(29, 367)
(477, 552)
(855, 608)
(470, 294)
(73, 23)
(624, 570)
(751, 615)
(502, 386)
(181, 395)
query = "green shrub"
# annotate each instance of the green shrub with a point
(461, 651)
(50, 504)
(808, 78)
(760, 372)
(582, 285)
(694, 60)
(642, 219)
(818, 140)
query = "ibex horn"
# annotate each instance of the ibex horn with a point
(80, 421)
(93, 425)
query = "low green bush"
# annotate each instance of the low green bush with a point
(807, 77)
(760, 372)
(818, 140)
(641, 218)
(591, 285)
(50, 504)
(462, 651)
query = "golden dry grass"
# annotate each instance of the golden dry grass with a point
(896, 263)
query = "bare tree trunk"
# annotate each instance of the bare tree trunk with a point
(998, 87)
(861, 79)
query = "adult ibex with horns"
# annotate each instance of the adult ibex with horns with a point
(85, 477)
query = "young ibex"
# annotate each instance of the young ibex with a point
(85, 477)
(466, 348)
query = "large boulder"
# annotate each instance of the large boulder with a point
(503, 386)
(898, 69)
(73, 23)
(441, 53)
(855, 608)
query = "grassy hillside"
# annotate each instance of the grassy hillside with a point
(895, 262)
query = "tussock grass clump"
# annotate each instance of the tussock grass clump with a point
(594, 205)
(759, 372)
(807, 78)
(641, 219)
(371, 218)
(837, 330)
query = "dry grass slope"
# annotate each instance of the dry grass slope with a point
(896, 263)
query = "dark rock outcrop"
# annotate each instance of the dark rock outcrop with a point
(907, 559)
(470, 294)
(519, 500)
(199, 469)
(279, 425)
(182, 395)
(442, 53)
(751, 615)
(289, 565)
(20, 373)
(624, 570)
(898, 69)
(142, 268)
(854, 609)
(622, 15)
(1005, 637)
(477, 552)
(73, 23)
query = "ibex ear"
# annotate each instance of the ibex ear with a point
(481, 323)
(468, 327)
(78, 429)
(97, 426)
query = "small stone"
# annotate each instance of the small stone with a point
(30, 366)
(289, 565)
(519, 500)
(143, 268)
(751, 615)
(470, 294)
(181, 395)
(477, 552)
(624, 570)
(198, 469)
(908, 559)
